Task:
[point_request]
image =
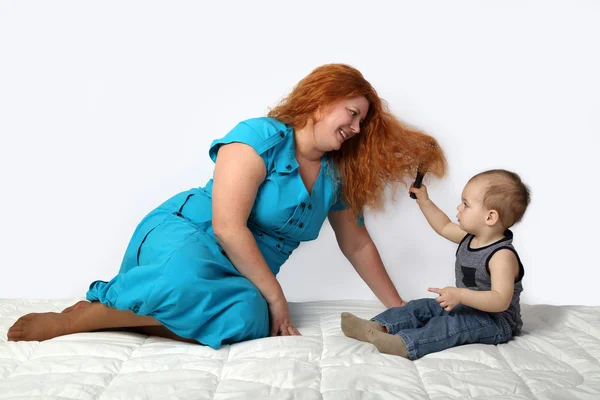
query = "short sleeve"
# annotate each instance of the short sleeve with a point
(260, 140)
(341, 205)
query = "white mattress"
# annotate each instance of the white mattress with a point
(557, 357)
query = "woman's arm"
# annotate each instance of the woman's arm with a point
(239, 171)
(358, 247)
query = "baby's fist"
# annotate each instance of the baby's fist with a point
(421, 192)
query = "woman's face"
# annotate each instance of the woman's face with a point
(339, 123)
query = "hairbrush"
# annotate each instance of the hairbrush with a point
(417, 183)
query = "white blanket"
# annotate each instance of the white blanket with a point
(557, 357)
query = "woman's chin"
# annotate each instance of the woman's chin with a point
(338, 144)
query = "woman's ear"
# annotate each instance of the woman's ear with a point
(318, 115)
(321, 112)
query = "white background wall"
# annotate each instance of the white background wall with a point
(107, 109)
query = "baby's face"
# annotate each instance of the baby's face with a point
(471, 212)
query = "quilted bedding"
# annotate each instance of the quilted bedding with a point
(557, 357)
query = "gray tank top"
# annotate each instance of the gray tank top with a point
(472, 272)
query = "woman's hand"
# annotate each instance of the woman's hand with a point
(281, 324)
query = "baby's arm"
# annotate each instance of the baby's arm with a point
(504, 269)
(438, 220)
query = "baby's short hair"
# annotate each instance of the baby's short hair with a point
(506, 193)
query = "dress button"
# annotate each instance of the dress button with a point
(280, 239)
(300, 225)
(260, 235)
(292, 221)
(281, 134)
(278, 246)
(303, 204)
(310, 206)
(288, 167)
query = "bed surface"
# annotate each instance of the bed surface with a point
(557, 357)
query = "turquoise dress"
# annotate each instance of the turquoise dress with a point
(175, 270)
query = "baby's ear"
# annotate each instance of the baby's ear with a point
(492, 218)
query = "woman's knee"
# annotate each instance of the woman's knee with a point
(257, 307)
(253, 314)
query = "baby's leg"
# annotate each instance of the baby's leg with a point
(415, 314)
(357, 328)
(463, 326)
(388, 344)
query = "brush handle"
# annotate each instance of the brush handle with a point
(417, 183)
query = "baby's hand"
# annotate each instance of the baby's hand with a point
(449, 297)
(421, 193)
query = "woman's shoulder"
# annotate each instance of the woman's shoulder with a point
(265, 127)
(262, 133)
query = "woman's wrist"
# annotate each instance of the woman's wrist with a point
(274, 296)
(396, 303)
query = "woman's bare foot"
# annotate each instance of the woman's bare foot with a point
(77, 306)
(85, 317)
(39, 326)
(82, 318)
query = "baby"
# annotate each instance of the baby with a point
(484, 305)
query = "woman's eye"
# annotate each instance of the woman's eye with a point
(352, 112)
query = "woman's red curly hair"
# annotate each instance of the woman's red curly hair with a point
(385, 152)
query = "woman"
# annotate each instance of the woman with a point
(201, 267)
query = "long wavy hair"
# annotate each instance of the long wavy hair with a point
(385, 152)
